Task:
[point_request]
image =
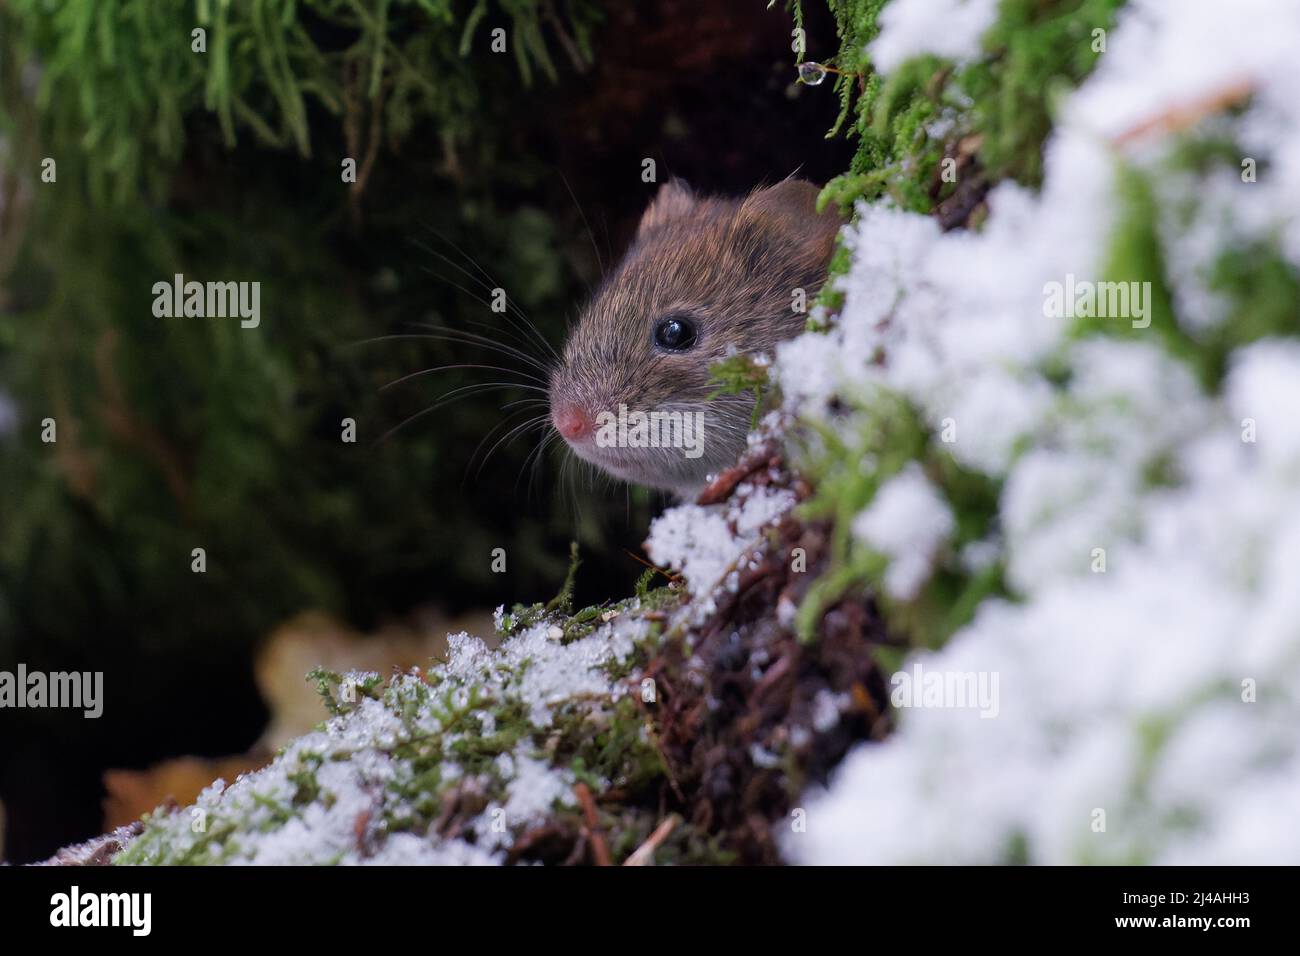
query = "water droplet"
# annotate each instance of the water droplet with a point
(811, 73)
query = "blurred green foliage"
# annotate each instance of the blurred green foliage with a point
(904, 124)
(175, 434)
(992, 114)
(120, 80)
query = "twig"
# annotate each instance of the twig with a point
(672, 578)
(1180, 117)
(720, 488)
(599, 846)
(644, 855)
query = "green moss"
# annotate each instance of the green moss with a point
(611, 749)
(130, 80)
(563, 602)
(171, 161)
(1259, 286)
(1137, 256)
(660, 599)
(1036, 52)
(845, 476)
(1034, 49)
(446, 759)
(994, 112)
(739, 375)
(1263, 289)
(339, 694)
(215, 844)
(304, 780)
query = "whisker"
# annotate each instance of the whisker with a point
(529, 326)
(534, 422)
(512, 311)
(542, 361)
(535, 458)
(446, 368)
(512, 328)
(528, 401)
(468, 338)
(590, 235)
(447, 399)
(446, 333)
(402, 424)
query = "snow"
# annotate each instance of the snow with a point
(1149, 661)
(826, 710)
(707, 542)
(907, 521)
(695, 540)
(362, 783)
(1263, 387)
(911, 28)
(407, 849)
(535, 790)
(539, 670)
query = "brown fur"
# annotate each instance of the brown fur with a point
(733, 265)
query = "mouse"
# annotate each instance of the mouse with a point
(704, 278)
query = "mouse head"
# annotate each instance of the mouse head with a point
(705, 278)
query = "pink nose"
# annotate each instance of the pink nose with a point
(571, 422)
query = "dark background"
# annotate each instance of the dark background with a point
(238, 450)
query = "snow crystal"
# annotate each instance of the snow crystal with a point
(907, 521)
(826, 710)
(355, 784)
(407, 849)
(950, 28)
(695, 540)
(534, 791)
(761, 509)
(1264, 395)
(699, 540)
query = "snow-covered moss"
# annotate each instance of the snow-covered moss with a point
(446, 766)
(1118, 498)
(973, 82)
(704, 542)
(674, 726)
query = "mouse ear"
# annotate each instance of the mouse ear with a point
(792, 204)
(674, 199)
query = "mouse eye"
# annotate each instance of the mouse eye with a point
(675, 333)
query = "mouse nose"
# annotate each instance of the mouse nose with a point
(571, 422)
